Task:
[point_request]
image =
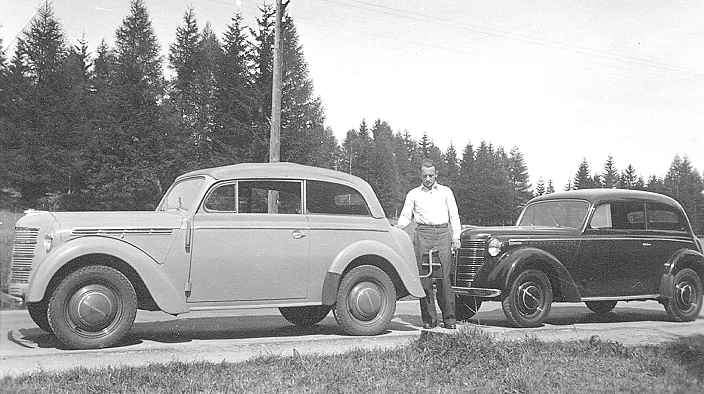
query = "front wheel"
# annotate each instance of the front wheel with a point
(686, 301)
(528, 302)
(37, 311)
(466, 307)
(305, 316)
(600, 307)
(93, 307)
(366, 301)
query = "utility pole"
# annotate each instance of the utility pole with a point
(275, 137)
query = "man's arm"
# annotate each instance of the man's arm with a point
(454, 218)
(407, 212)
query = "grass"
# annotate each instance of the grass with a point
(468, 362)
(7, 235)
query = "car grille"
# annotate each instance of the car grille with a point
(22, 254)
(470, 258)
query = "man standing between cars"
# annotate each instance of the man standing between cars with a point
(434, 210)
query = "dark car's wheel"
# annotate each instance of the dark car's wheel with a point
(601, 307)
(305, 316)
(466, 307)
(93, 307)
(37, 311)
(529, 299)
(366, 301)
(686, 301)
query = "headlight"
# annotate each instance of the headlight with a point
(48, 242)
(494, 247)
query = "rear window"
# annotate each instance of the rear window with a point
(329, 198)
(665, 217)
(619, 215)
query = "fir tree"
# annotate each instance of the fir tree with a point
(629, 178)
(609, 177)
(466, 186)
(518, 176)
(384, 171)
(583, 179)
(540, 187)
(452, 166)
(550, 189)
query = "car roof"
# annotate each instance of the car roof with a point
(285, 170)
(596, 195)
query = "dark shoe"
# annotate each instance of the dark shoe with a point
(429, 326)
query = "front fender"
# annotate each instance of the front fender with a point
(152, 274)
(683, 258)
(513, 261)
(406, 270)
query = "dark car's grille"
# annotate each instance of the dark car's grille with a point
(470, 258)
(22, 254)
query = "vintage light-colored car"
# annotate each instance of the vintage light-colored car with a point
(284, 235)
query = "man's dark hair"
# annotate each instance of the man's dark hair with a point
(427, 163)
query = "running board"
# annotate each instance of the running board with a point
(622, 298)
(477, 292)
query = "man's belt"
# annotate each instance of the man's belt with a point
(444, 225)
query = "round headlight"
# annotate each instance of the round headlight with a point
(48, 241)
(494, 247)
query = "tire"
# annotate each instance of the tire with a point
(93, 307)
(686, 301)
(37, 311)
(528, 302)
(366, 301)
(305, 316)
(601, 307)
(466, 307)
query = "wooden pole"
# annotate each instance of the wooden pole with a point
(275, 137)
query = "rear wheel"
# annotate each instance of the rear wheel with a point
(686, 301)
(93, 307)
(528, 302)
(366, 301)
(466, 307)
(37, 311)
(305, 316)
(600, 307)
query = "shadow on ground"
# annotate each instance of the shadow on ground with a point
(212, 328)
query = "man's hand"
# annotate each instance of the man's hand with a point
(455, 244)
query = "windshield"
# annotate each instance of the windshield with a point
(559, 213)
(182, 195)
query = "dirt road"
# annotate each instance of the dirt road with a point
(238, 336)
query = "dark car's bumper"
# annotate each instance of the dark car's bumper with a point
(11, 299)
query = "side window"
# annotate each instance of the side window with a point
(628, 215)
(222, 199)
(334, 199)
(602, 217)
(255, 197)
(665, 217)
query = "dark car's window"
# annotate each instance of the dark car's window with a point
(334, 199)
(254, 197)
(619, 215)
(558, 213)
(665, 217)
(221, 199)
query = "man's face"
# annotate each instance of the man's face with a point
(428, 175)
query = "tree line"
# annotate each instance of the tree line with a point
(111, 131)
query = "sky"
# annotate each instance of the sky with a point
(561, 80)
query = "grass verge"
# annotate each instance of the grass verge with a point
(470, 361)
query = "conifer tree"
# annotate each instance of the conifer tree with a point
(518, 176)
(540, 187)
(609, 177)
(583, 178)
(550, 189)
(466, 185)
(452, 166)
(629, 178)
(384, 170)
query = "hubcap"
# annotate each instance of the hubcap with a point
(530, 298)
(686, 295)
(365, 300)
(92, 307)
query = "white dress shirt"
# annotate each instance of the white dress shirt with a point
(431, 206)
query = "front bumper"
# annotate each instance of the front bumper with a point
(479, 292)
(11, 299)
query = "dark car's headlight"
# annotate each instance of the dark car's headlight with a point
(494, 247)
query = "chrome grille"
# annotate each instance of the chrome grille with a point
(470, 258)
(22, 254)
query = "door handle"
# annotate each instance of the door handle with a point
(297, 234)
(646, 244)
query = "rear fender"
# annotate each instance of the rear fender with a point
(516, 260)
(683, 258)
(407, 271)
(152, 274)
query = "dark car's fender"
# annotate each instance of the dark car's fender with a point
(683, 258)
(514, 261)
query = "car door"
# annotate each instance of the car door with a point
(612, 250)
(250, 243)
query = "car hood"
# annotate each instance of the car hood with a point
(118, 221)
(517, 231)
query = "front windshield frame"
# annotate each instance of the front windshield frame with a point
(185, 206)
(580, 225)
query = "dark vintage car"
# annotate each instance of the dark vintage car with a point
(597, 246)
